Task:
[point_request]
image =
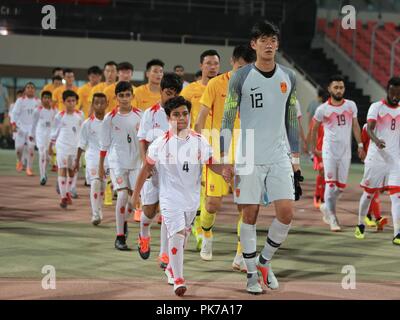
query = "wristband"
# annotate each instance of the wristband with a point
(361, 145)
(295, 160)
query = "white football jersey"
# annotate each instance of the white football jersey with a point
(179, 165)
(338, 123)
(66, 130)
(22, 113)
(90, 139)
(43, 120)
(154, 124)
(119, 138)
(387, 129)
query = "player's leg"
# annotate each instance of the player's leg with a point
(19, 149)
(120, 181)
(238, 263)
(207, 219)
(30, 155)
(95, 191)
(248, 194)
(73, 190)
(62, 163)
(395, 198)
(280, 190)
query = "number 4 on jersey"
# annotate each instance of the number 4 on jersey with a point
(185, 166)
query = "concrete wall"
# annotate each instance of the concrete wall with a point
(45, 51)
(350, 68)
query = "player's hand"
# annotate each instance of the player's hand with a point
(14, 128)
(50, 149)
(318, 153)
(297, 187)
(361, 154)
(380, 144)
(76, 165)
(305, 147)
(228, 172)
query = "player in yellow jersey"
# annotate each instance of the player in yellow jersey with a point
(125, 72)
(210, 119)
(69, 78)
(57, 72)
(148, 95)
(209, 66)
(110, 77)
(94, 76)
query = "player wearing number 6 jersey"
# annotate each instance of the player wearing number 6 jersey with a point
(339, 117)
(43, 119)
(382, 164)
(119, 138)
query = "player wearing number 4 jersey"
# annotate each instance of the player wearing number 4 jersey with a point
(178, 156)
(43, 119)
(382, 165)
(119, 138)
(339, 117)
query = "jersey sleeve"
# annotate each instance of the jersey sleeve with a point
(105, 134)
(152, 154)
(231, 106)
(373, 113)
(291, 122)
(206, 152)
(35, 120)
(84, 136)
(16, 113)
(319, 114)
(55, 130)
(354, 109)
(144, 127)
(135, 100)
(208, 96)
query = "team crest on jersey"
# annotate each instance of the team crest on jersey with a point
(117, 128)
(74, 129)
(212, 187)
(120, 180)
(330, 175)
(237, 191)
(283, 87)
(366, 183)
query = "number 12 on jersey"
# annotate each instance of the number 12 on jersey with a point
(256, 100)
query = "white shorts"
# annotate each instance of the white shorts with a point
(123, 178)
(381, 176)
(65, 161)
(336, 171)
(21, 139)
(267, 183)
(176, 220)
(92, 172)
(151, 191)
(42, 142)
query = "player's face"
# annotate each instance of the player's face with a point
(70, 104)
(94, 78)
(46, 101)
(125, 75)
(30, 91)
(336, 90)
(99, 105)
(57, 83)
(59, 73)
(69, 78)
(155, 74)
(110, 73)
(124, 98)
(394, 95)
(265, 47)
(179, 118)
(167, 94)
(238, 64)
(180, 72)
(210, 66)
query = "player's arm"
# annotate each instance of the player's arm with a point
(357, 136)
(83, 143)
(314, 130)
(143, 146)
(201, 118)
(55, 131)
(371, 133)
(105, 143)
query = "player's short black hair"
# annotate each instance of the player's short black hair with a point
(68, 70)
(123, 86)
(125, 66)
(56, 78)
(178, 66)
(46, 93)
(171, 81)
(94, 70)
(176, 102)
(30, 84)
(57, 69)
(69, 93)
(336, 77)
(264, 28)
(198, 74)
(154, 62)
(99, 95)
(245, 52)
(20, 91)
(110, 63)
(207, 53)
(394, 81)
